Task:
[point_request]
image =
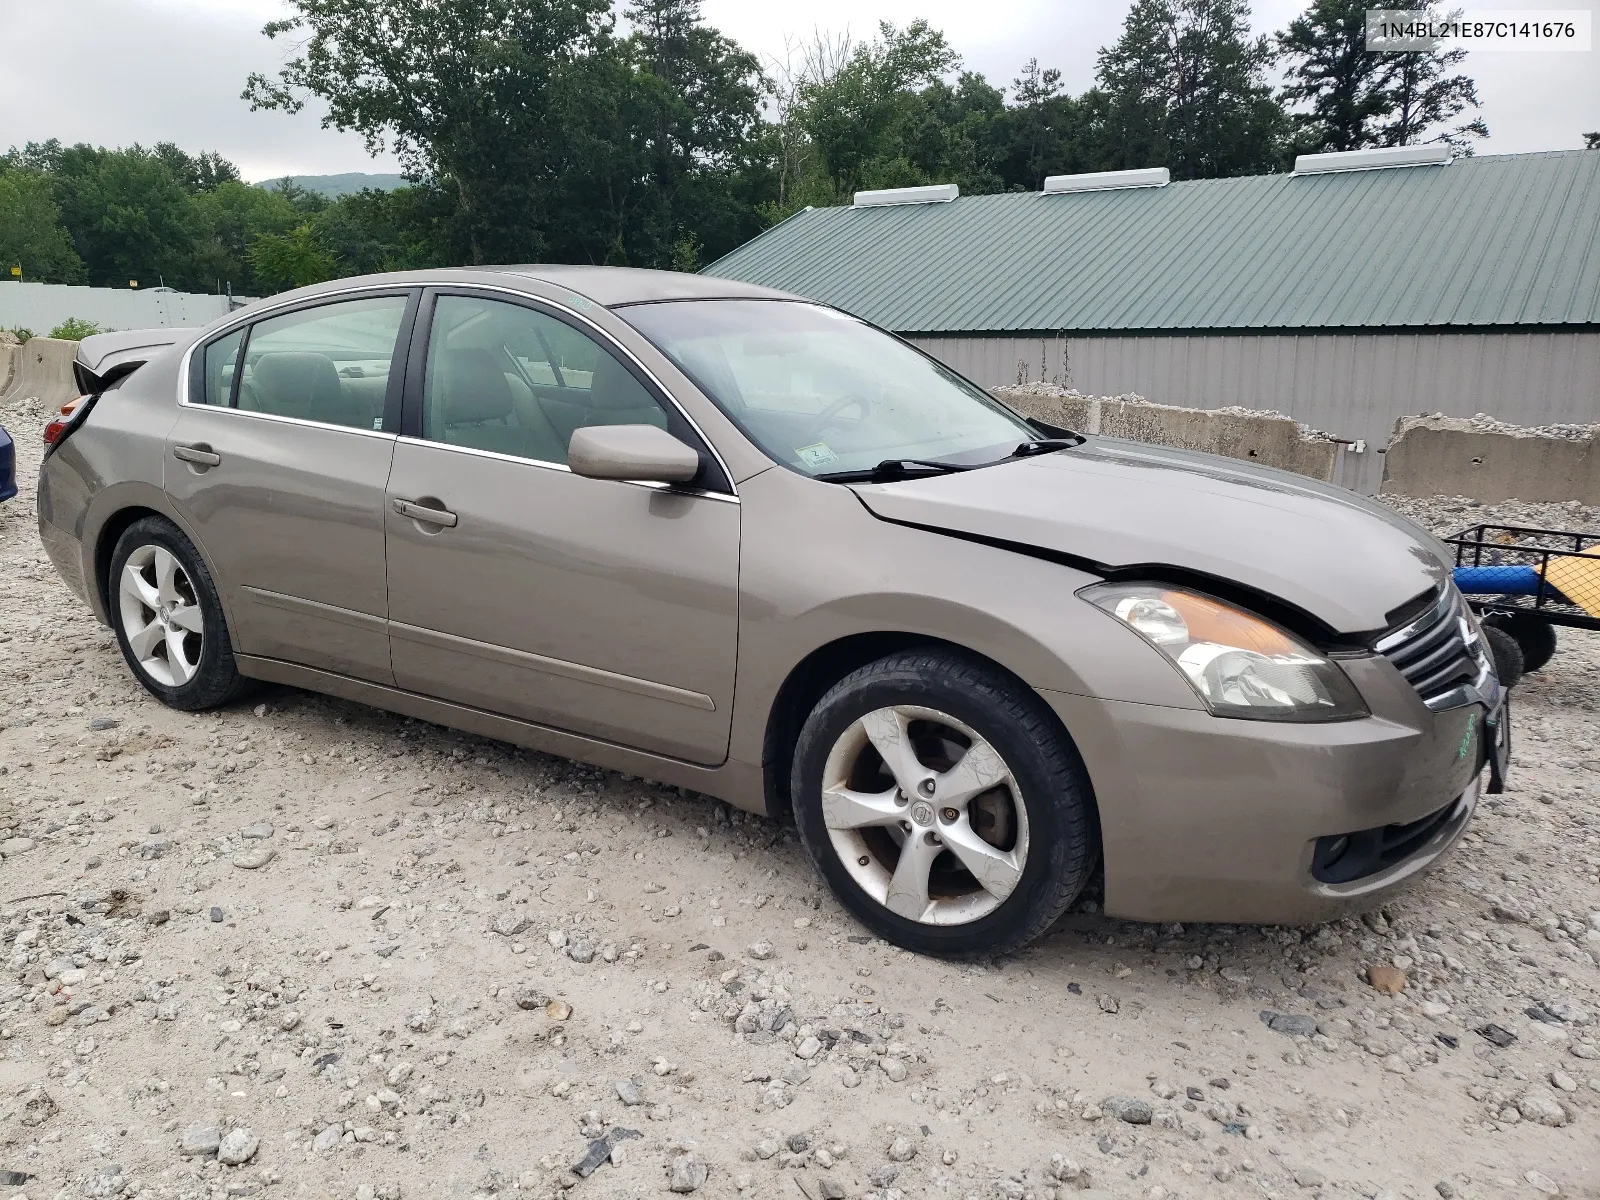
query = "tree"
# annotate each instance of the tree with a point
(1185, 87)
(293, 259)
(31, 233)
(853, 117)
(1591, 141)
(1421, 97)
(128, 216)
(693, 111)
(1049, 131)
(228, 220)
(403, 230)
(1349, 97)
(1331, 72)
(203, 172)
(465, 92)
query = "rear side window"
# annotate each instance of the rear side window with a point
(222, 359)
(328, 364)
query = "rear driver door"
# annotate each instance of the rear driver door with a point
(278, 463)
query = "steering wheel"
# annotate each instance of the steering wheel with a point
(828, 418)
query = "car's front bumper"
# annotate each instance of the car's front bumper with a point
(1208, 819)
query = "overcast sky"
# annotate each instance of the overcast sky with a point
(113, 72)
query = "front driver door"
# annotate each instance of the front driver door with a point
(602, 608)
(278, 463)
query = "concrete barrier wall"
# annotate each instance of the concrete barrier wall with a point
(10, 355)
(42, 371)
(1428, 456)
(1353, 384)
(1487, 460)
(1267, 438)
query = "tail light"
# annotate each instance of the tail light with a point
(58, 426)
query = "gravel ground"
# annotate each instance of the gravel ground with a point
(305, 948)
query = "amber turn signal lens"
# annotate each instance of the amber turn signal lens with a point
(57, 426)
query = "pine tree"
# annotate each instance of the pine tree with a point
(1185, 87)
(1348, 97)
(1421, 96)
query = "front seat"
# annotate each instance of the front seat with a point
(474, 405)
(614, 398)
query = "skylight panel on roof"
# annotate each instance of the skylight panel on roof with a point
(1099, 181)
(1369, 160)
(936, 193)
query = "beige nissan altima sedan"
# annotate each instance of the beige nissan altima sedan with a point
(732, 540)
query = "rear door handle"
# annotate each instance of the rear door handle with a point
(200, 454)
(420, 512)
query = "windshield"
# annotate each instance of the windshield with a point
(822, 392)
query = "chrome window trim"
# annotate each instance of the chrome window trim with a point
(302, 421)
(564, 469)
(258, 314)
(606, 339)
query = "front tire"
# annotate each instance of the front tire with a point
(168, 619)
(943, 804)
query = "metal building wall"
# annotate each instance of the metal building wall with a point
(1350, 385)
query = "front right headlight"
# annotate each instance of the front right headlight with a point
(1239, 664)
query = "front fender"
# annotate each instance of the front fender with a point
(817, 567)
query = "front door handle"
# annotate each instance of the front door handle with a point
(428, 516)
(200, 454)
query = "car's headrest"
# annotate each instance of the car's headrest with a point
(472, 387)
(298, 383)
(613, 388)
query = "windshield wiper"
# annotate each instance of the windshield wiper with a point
(895, 468)
(1046, 445)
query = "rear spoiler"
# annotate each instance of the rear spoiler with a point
(106, 357)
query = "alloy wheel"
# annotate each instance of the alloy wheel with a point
(161, 615)
(925, 815)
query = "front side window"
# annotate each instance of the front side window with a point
(328, 364)
(517, 381)
(822, 392)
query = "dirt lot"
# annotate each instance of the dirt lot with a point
(345, 944)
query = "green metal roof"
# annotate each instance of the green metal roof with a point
(1501, 240)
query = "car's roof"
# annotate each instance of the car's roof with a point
(614, 286)
(608, 286)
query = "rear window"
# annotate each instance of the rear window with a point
(221, 361)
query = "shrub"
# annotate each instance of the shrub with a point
(74, 330)
(19, 333)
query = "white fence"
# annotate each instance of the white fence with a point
(42, 306)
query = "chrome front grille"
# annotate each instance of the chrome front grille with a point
(1441, 653)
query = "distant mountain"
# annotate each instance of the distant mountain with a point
(334, 186)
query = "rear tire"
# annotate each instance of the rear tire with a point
(168, 619)
(973, 828)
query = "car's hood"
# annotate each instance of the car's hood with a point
(1343, 559)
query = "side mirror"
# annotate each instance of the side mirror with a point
(641, 453)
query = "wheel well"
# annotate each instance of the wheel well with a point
(812, 677)
(103, 548)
